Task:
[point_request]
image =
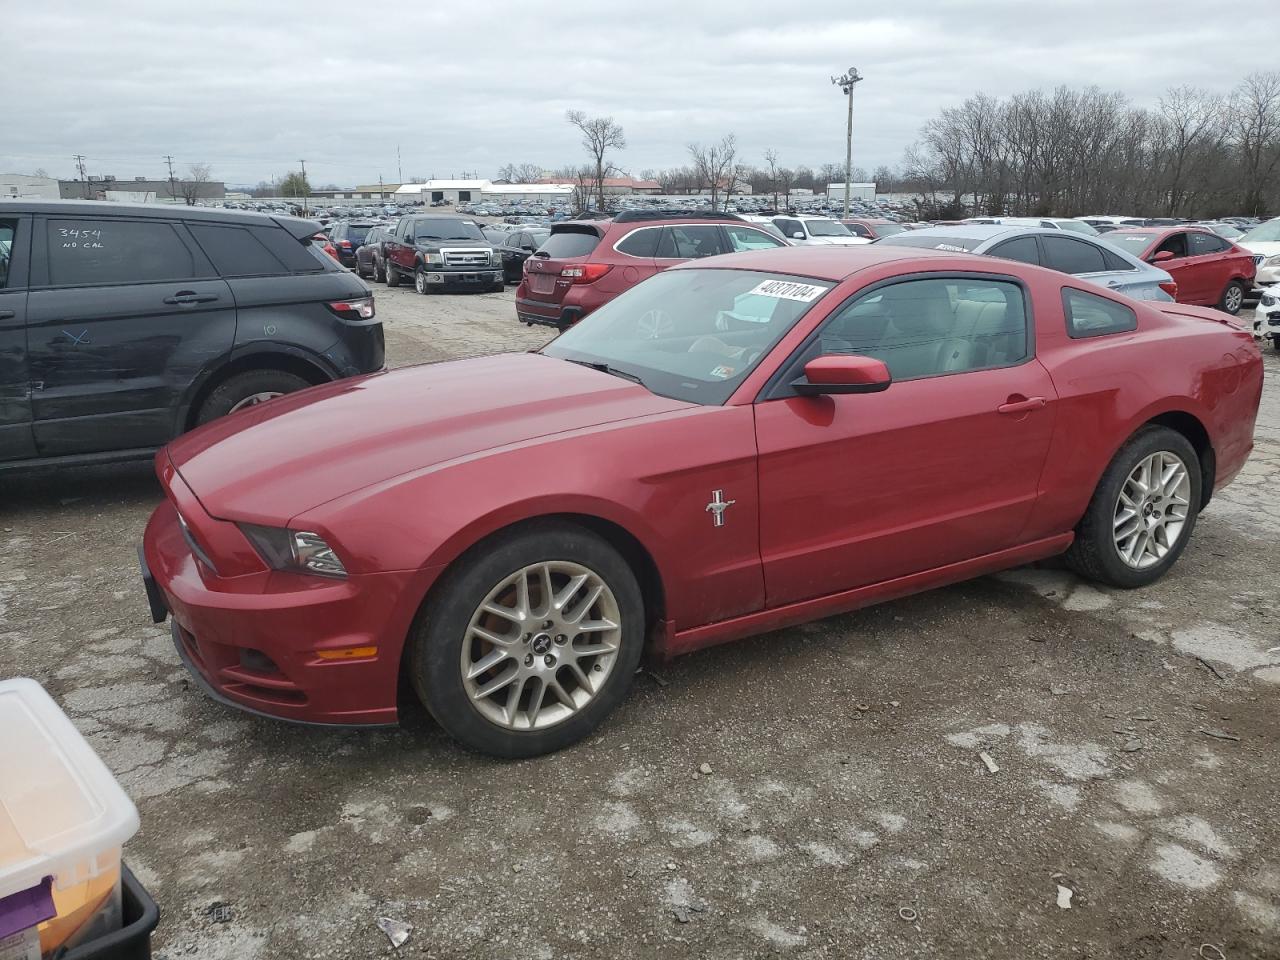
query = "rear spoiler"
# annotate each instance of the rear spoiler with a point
(1192, 312)
(298, 228)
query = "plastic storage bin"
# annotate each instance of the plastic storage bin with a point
(63, 820)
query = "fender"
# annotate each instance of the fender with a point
(216, 365)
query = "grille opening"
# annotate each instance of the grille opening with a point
(257, 661)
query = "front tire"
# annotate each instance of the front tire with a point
(246, 390)
(420, 280)
(1232, 298)
(1142, 513)
(493, 673)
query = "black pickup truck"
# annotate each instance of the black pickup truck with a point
(440, 252)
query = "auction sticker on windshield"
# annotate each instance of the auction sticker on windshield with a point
(788, 290)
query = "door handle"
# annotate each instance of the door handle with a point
(1021, 406)
(186, 297)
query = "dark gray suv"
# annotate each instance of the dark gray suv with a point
(122, 326)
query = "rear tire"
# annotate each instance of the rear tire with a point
(379, 276)
(443, 640)
(1096, 552)
(393, 278)
(1232, 298)
(360, 271)
(247, 389)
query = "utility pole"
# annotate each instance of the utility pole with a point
(172, 192)
(382, 194)
(84, 183)
(846, 84)
(306, 187)
(399, 168)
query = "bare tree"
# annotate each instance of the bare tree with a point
(717, 164)
(198, 175)
(599, 136)
(520, 172)
(1256, 133)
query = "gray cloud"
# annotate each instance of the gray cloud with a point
(252, 87)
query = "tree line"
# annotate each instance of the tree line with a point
(1073, 152)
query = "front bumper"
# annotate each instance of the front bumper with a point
(254, 641)
(449, 276)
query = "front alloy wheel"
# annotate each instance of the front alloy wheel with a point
(420, 280)
(529, 641)
(541, 645)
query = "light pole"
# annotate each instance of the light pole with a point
(846, 84)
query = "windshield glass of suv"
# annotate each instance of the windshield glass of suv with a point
(827, 228)
(1268, 232)
(447, 230)
(1133, 243)
(1078, 226)
(889, 229)
(357, 234)
(691, 334)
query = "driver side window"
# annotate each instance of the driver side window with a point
(1175, 244)
(928, 328)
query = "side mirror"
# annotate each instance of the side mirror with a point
(843, 373)
(1162, 255)
(798, 235)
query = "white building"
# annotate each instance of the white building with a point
(16, 185)
(454, 191)
(857, 191)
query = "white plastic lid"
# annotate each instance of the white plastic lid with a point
(60, 807)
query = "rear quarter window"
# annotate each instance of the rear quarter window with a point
(1089, 315)
(235, 252)
(640, 243)
(298, 257)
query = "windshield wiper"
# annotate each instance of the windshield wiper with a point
(605, 368)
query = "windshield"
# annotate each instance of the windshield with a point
(1077, 226)
(889, 229)
(447, 230)
(827, 228)
(357, 234)
(1268, 232)
(1133, 243)
(1226, 230)
(691, 334)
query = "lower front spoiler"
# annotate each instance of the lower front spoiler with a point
(208, 689)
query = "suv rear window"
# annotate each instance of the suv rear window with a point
(564, 244)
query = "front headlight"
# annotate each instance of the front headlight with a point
(1273, 261)
(1268, 300)
(299, 551)
(435, 259)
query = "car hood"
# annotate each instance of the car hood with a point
(1268, 248)
(269, 463)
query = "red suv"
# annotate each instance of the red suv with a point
(586, 263)
(1208, 269)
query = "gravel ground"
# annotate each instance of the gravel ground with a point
(843, 810)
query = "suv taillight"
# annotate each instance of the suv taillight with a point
(1170, 287)
(587, 273)
(361, 309)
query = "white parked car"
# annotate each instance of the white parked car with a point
(1263, 241)
(814, 231)
(1266, 316)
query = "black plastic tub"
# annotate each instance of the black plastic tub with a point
(133, 940)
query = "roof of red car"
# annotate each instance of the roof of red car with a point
(829, 262)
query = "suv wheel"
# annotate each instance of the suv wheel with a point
(360, 269)
(420, 280)
(246, 390)
(379, 275)
(393, 278)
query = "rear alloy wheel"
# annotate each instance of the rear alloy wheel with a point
(379, 275)
(1142, 512)
(393, 278)
(530, 642)
(1232, 297)
(360, 269)
(248, 389)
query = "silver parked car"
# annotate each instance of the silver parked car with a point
(1088, 258)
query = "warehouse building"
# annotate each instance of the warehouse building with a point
(21, 186)
(167, 191)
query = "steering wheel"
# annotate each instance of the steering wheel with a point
(653, 323)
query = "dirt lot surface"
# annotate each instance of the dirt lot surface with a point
(846, 814)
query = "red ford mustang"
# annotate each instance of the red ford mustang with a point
(733, 446)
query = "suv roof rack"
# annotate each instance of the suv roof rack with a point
(634, 216)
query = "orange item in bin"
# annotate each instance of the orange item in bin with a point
(62, 815)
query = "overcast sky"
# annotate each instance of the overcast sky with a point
(251, 87)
